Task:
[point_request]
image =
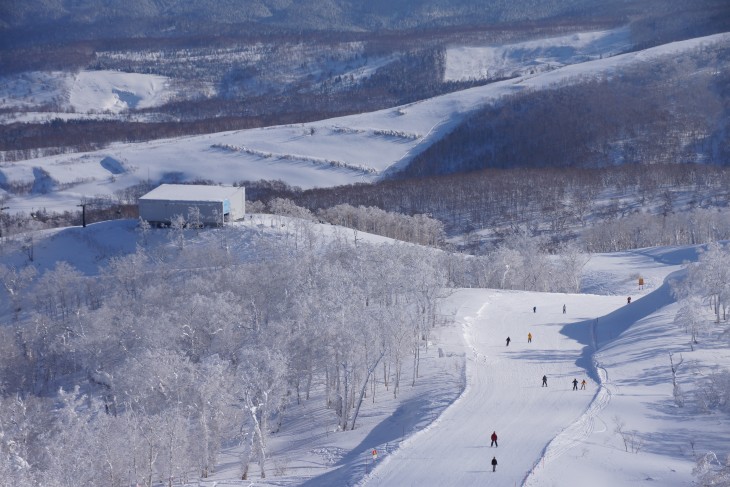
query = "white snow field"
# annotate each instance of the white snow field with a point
(346, 150)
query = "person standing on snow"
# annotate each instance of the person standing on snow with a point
(575, 384)
(544, 381)
(494, 439)
(494, 464)
(628, 300)
(529, 337)
(508, 340)
(534, 309)
(583, 384)
(563, 309)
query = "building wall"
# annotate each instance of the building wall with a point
(163, 211)
(237, 202)
(162, 204)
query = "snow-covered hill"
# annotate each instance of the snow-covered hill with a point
(358, 148)
(625, 428)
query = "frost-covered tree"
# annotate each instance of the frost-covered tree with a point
(571, 261)
(260, 388)
(709, 279)
(14, 281)
(143, 229)
(712, 471)
(691, 317)
(177, 231)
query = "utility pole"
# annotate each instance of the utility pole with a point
(1, 222)
(83, 214)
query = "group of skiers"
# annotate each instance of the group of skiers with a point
(494, 443)
(544, 384)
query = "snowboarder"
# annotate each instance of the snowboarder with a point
(534, 309)
(494, 464)
(575, 384)
(508, 340)
(529, 337)
(544, 381)
(628, 300)
(494, 439)
(563, 309)
(583, 384)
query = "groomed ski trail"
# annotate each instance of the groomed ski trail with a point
(503, 394)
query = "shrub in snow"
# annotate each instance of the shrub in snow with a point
(711, 471)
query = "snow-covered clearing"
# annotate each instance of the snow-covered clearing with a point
(499, 61)
(85, 92)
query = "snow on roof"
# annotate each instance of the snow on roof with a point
(190, 192)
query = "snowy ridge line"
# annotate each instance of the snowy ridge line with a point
(398, 447)
(581, 428)
(440, 127)
(295, 158)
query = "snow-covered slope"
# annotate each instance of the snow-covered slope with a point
(471, 383)
(358, 148)
(476, 62)
(556, 436)
(85, 92)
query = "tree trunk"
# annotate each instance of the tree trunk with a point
(370, 371)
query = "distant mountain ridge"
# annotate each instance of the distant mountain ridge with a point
(317, 14)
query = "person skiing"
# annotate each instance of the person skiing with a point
(575, 384)
(494, 439)
(544, 381)
(529, 337)
(494, 464)
(534, 309)
(563, 309)
(628, 300)
(583, 384)
(508, 340)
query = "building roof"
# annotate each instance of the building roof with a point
(190, 192)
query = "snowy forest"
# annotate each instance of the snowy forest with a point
(142, 372)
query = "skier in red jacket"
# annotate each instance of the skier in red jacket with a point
(494, 439)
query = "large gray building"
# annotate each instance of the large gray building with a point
(217, 204)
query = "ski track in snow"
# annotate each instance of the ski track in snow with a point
(503, 393)
(578, 431)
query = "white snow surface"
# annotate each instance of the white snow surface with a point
(436, 432)
(477, 62)
(85, 92)
(346, 150)
(116, 91)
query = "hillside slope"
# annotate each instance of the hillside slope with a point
(358, 148)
